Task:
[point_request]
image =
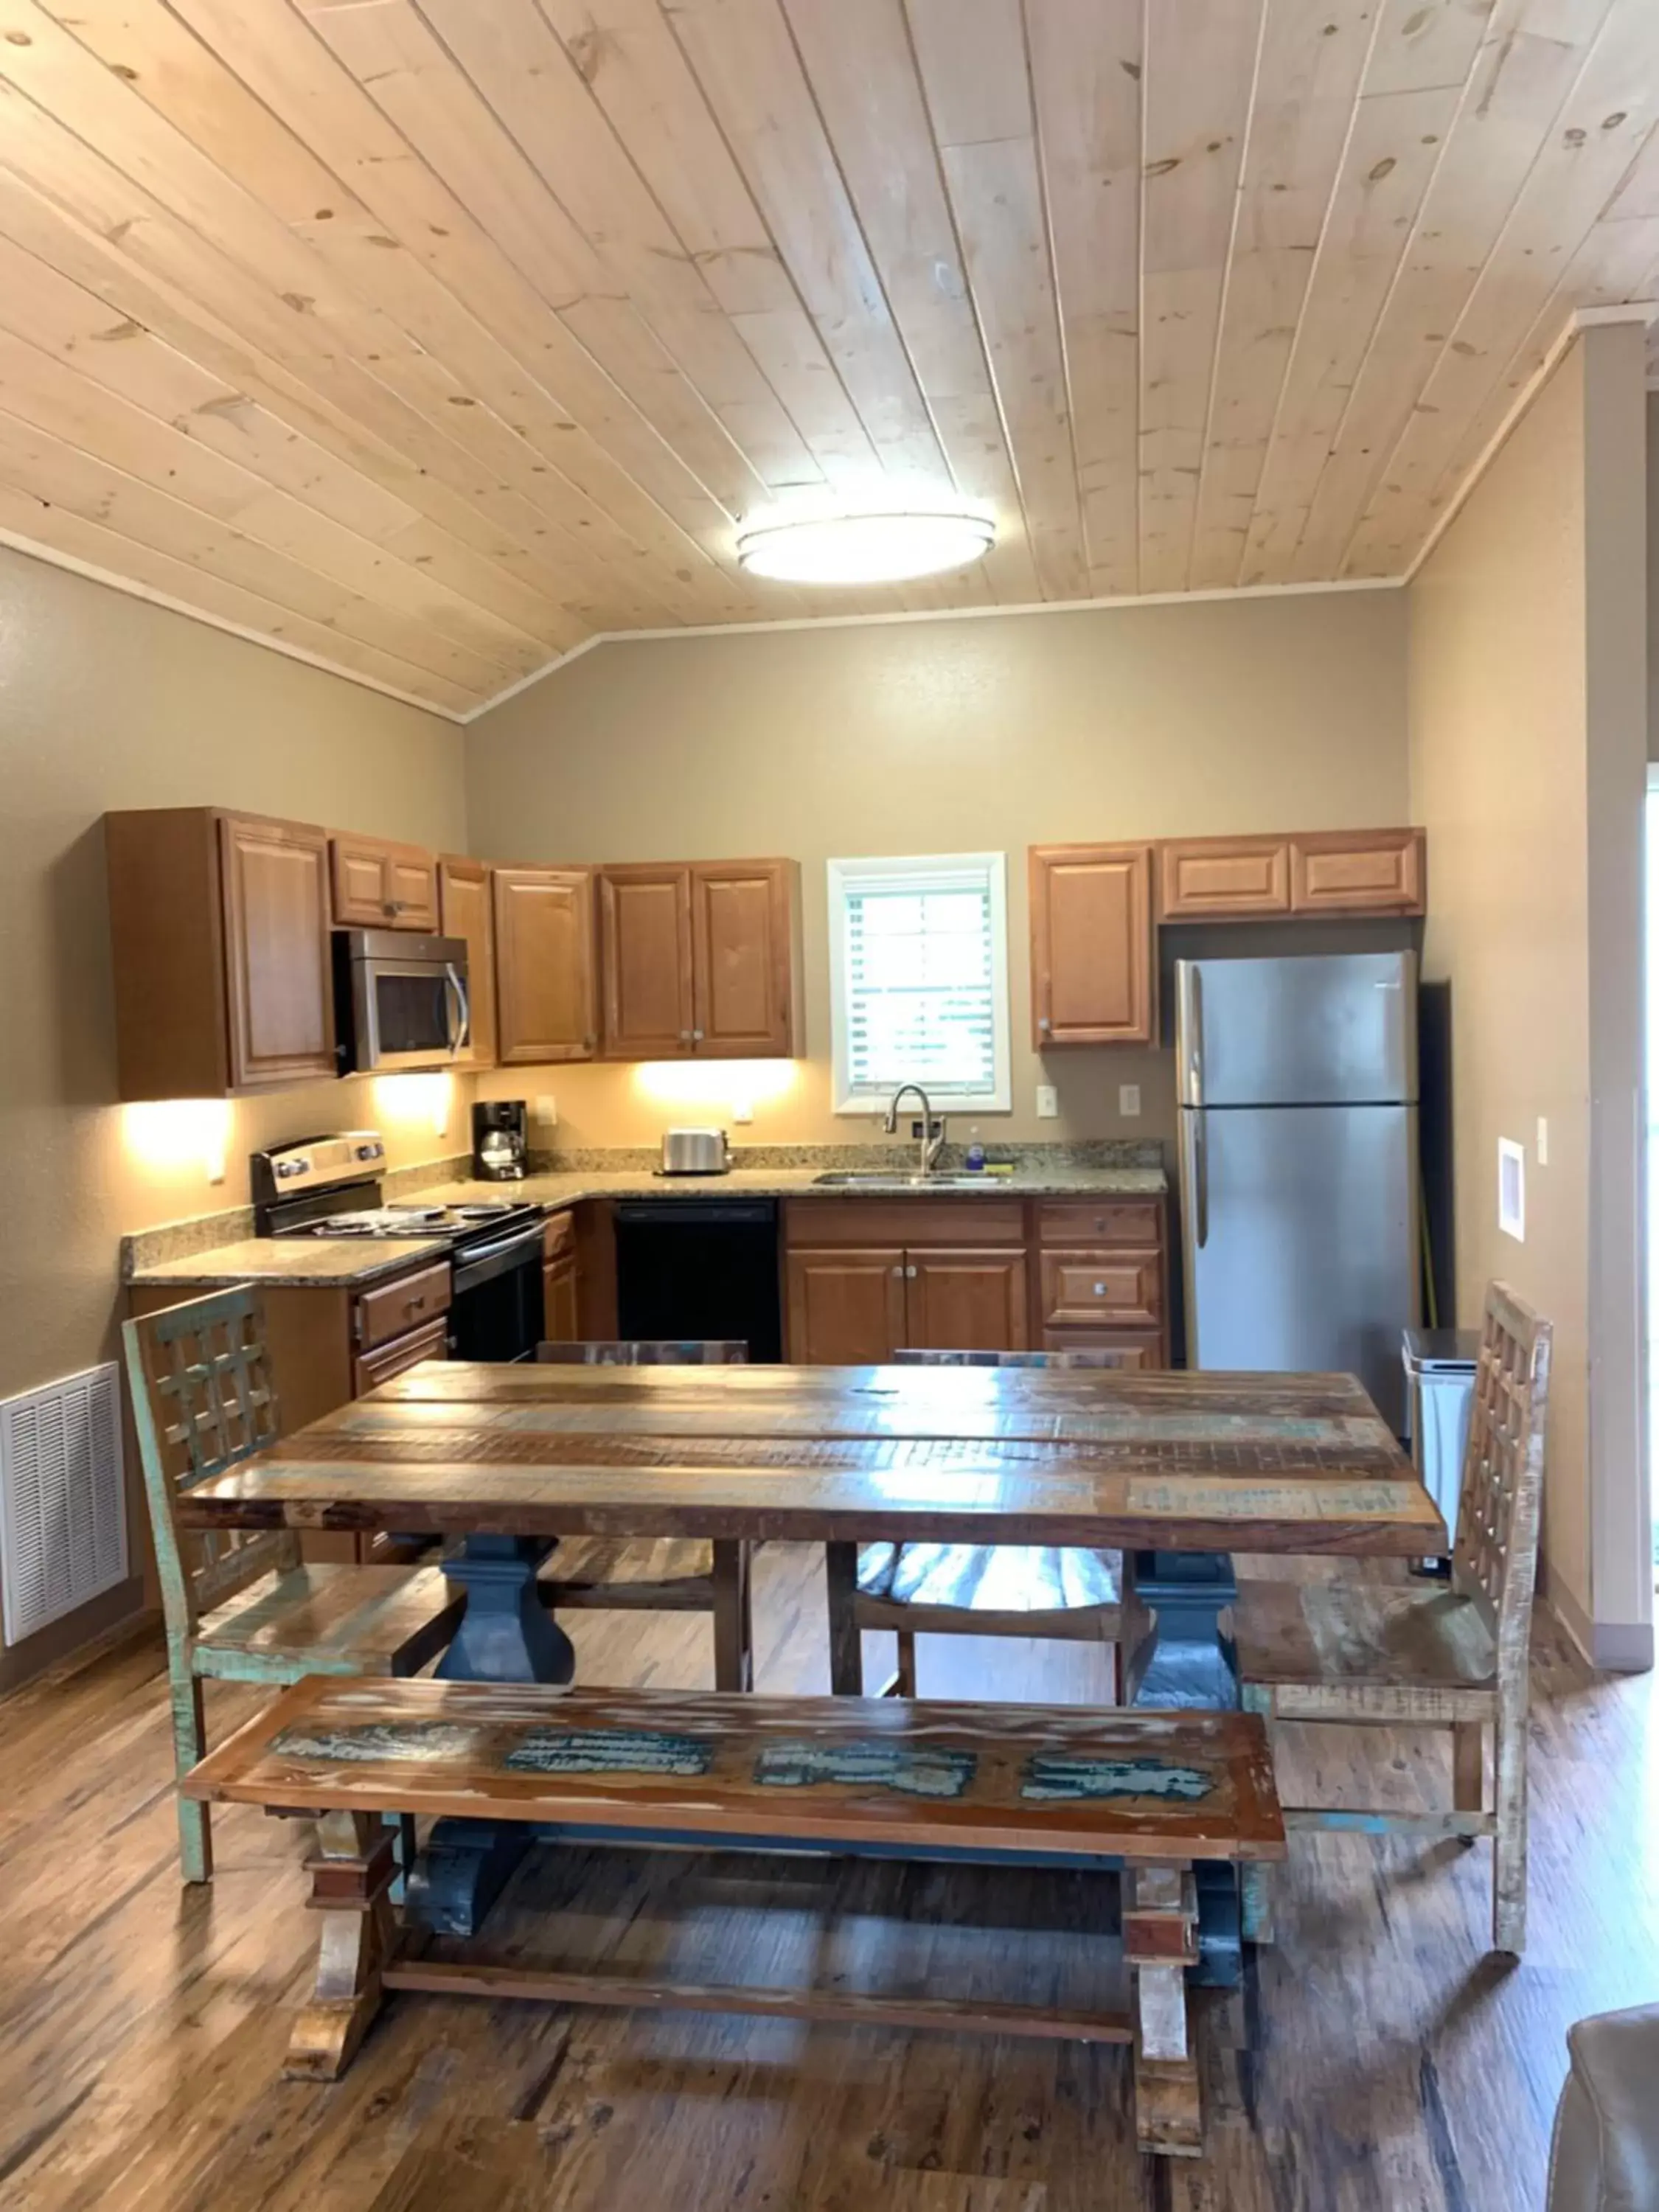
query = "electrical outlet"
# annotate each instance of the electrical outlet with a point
(743, 1110)
(1128, 1100)
(545, 1113)
(1048, 1103)
(1543, 1142)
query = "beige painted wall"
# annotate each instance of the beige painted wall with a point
(106, 702)
(989, 734)
(1527, 741)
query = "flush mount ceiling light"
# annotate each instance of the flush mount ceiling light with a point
(865, 548)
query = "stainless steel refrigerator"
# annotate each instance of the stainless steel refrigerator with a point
(1298, 1164)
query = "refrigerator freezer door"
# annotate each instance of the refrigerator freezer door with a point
(1300, 1237)
(1324, 1030)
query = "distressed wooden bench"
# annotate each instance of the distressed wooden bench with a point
(1150, 1792)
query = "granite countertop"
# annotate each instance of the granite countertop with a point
(567, 1189)
(185, 1254)
(323, 1263)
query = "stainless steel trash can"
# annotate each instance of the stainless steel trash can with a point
(1440, 1365)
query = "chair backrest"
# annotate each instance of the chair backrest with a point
(202, 1398)
(1495, 1549)
(1105, 1356)
(647, 1352)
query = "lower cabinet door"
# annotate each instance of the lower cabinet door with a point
(560, 1322)
(846, 1307)
(371, 1368)
(965, 1301)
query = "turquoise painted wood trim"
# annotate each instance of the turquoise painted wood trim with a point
(1349, 1820)
(1062, 1780)
(228, 1664)
(609, 1751)
(868, 1766)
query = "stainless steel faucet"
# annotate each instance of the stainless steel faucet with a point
(932, 1146)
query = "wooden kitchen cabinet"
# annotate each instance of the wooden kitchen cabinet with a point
(220, 946)
(378, 885)
(745, 958)
(845, 1307)
(371, 1368)
(964, 1301)
(1358, 872)
(1222, 877)
(1092, 937)
(466, 910)
(701, 958)
(561, 1279)
(546, 979)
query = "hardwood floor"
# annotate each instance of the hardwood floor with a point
(1375, 2059)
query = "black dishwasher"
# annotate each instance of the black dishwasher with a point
(700, 1268)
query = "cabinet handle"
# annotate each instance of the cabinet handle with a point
(696, 1036)
(911, 1273)
(898, 1274)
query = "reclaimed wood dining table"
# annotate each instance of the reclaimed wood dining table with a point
(1178, 1470)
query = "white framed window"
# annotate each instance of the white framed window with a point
(919, 980)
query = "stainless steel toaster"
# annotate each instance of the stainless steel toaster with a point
(695, 1151)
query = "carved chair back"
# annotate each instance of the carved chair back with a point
(1495, 1549)
(642, 1352)
(202, 1398)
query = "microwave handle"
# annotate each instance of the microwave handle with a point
(463, 1011)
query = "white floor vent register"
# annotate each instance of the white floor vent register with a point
(62, 1502)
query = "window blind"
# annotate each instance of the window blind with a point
(919, 989)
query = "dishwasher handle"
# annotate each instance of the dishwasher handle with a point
(692, 1214)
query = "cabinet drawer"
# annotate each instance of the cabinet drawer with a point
(391, 1308)
(558, 1237)
(373, 1368)
(1081, 1288)
(1090, 1222)
(969, 1221)
(1142, 1349)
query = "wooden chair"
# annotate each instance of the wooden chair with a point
(978, 1589)
(1372, 1653)
(672, 1574)
(240, 1607)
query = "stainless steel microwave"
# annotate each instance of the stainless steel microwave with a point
(400, 1001)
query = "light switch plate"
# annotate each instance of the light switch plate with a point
(1512, 1190)
(743, 1110)
(545, 1113)
(1048, 1103)
(1128, 1100)
(1543, 1141)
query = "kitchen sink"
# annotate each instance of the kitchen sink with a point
(879, 1179)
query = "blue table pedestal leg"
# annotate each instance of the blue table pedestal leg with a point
(1186, 1662)
(507, 1635)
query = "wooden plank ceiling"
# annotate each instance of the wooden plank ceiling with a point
(432, 337)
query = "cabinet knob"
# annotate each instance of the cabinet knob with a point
(590, 1039)
(1043, 1022)
(685, 1037)
(898, 1274)
(911, 1272)
(696, 1036)
(1100, 1290)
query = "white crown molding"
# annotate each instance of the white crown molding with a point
(928, 615)
(1642, 312)
(93, 574)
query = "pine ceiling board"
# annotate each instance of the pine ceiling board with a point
(1314, 54)
(486, 343)
(54, 529)
(40, 391)
(1426, 45)
(396, 58)
(511, 53)
(1086, 79)
(1196, 125)
(1600, 127)
(975, 78)
(745, 62)
(356, 350)
(629, 55)
(1390, 158)
(51, 469)
(1528, 60)
(858, 60)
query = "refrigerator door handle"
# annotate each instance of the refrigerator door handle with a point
(1192, 1030)
(1200, 1181)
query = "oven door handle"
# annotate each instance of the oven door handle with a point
(486, 1262)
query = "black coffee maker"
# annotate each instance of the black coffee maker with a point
(501, 1139)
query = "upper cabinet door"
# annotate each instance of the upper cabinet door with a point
(1222, 877)
(279, 977)
(743, 936)
(1091, 963)
(645, 928)
(377, 885)
(1358, 872)
(545, 993)
(464, 911)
